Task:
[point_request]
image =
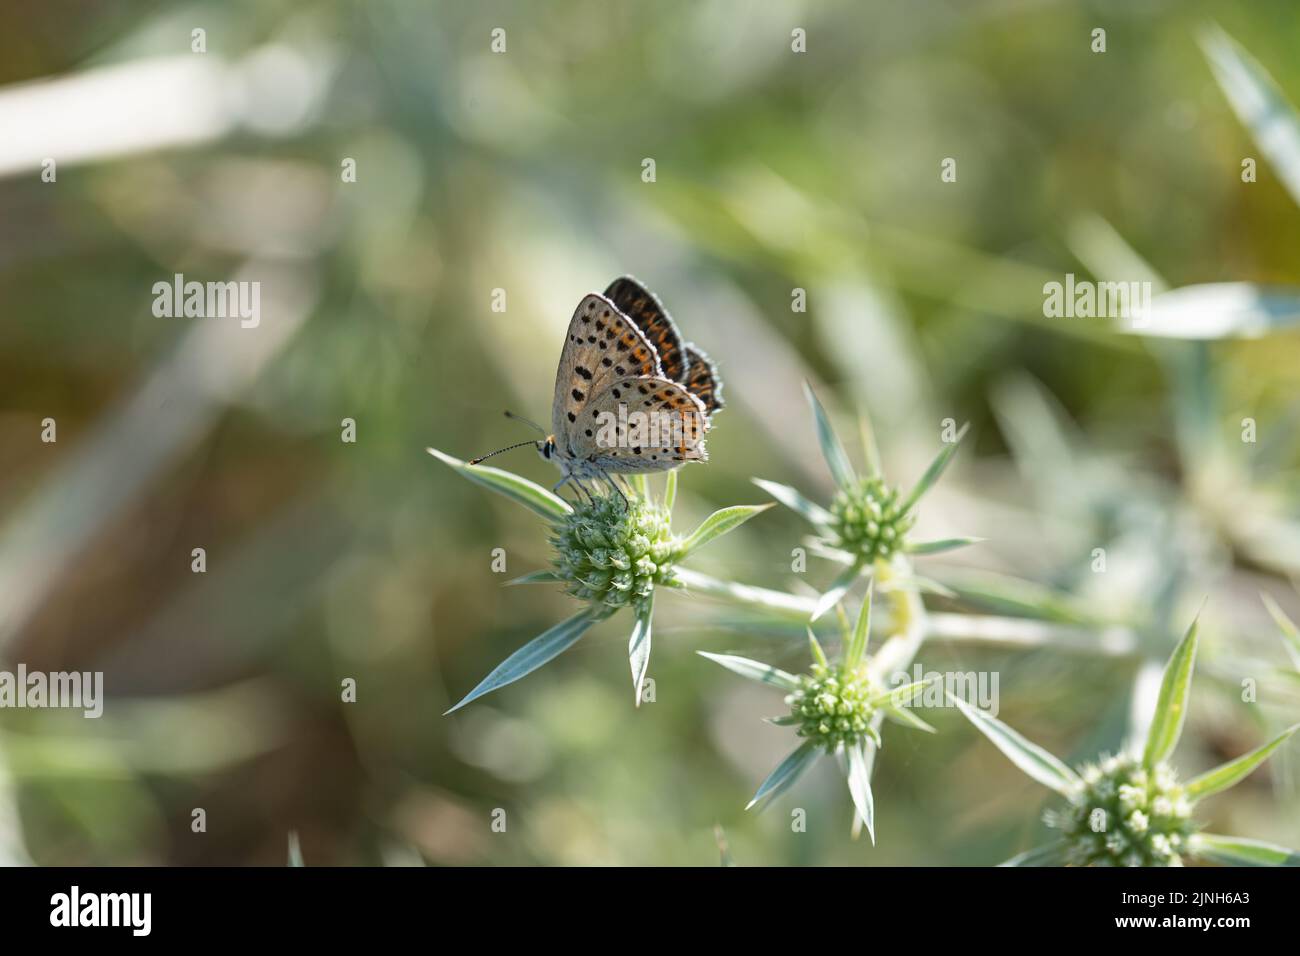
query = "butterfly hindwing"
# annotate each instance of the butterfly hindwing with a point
(702, 380)
(640, 305)
(601, 345)
(641, 424)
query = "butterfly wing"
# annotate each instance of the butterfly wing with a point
(601, 345)
(702, 380)
(640, 305)
(637, 425)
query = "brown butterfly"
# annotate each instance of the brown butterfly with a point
(631, 397)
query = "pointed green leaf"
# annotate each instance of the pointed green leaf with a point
(1290, 635)
(1029, 757)
(535, 577)
(1234, 771)
(857, 648)
(839, 587)
(1238, 851)
(638, 647)
(719, 523)
(818, 654)
(754, 670)
(934, 471)
(670, 490)
(796, 502)
(533, 655)
(904, 716)
(832, 450)
(533, 496)
(901, 696)
(786, 773)
(1051, 854)
(1171, 705)
(860, 789)
(938, 547)
(787, 720)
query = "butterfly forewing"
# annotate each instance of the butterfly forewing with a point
(640, 305)
(601, 345)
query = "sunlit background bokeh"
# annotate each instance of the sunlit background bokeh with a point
(522, 171)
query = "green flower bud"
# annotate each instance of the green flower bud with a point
(832, 706)
(867, 521)
(614, 554)
(1124, 816)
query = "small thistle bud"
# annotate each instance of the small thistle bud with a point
(832, 706)
(614, 554)
(1145, 816)
(868, 520)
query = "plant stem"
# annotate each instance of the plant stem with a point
(788, 606)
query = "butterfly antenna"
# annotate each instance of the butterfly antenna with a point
(475, 461)
(526, 421)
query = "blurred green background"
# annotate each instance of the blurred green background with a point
(521, 171)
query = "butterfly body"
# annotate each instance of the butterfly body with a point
(630, 396)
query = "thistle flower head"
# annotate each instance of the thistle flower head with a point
(868, 520)
(613, 553)
(1125, 815)
(832, 706)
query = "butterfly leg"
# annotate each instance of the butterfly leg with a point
(619, 491)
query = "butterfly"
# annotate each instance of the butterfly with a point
(631, 397)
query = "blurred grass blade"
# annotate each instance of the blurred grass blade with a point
(1290, 634)
(1238, 851)
(718, 524)
(786, 773)
(295, 849)
(934, 471)
(545, 503)
(857, 649)
(796, 502)
(535, 577)
(839, 587)
(724, 848)
(642, 485)
(1171, 705)
(1258, 103)
(870, 450)
(836, 458)
(533, 655)
(754, 670)
(860, 789)
(1234, 771)
(1218, 310)
(940, 546)
(638, 646)
(1051, 854)
(1029, 757)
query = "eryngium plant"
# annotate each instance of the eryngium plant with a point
(834, 708)
(868, 520)
(1130, 810)
(610, 553)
